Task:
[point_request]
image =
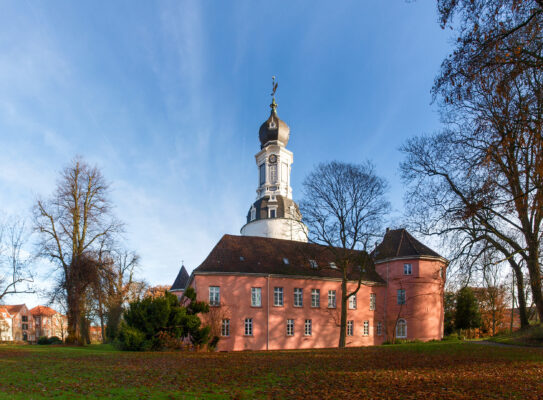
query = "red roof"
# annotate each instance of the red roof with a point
(43, 310)
(15, 309)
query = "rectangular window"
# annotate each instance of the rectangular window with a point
(278, 297)
(350, 328)
(372, 301)
(248, 327)
(256, 297)
(313, 264)
(352, 302)
(307, 327)
(331, 299)
(225, 327)
(273, 173)
(407, 269)
(214, 295)
(262, 169)
(315, 298)
(379, 328)
(272, 213)
(290, 327)
(366, 328)
(298, 297)
(25, 327)
(25, 318)
(401, 296)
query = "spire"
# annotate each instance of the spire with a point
(273, 104)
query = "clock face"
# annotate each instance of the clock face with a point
(273, 159)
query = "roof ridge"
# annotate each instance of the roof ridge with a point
(409, 236)
(400, 242)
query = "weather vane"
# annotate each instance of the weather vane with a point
(274, 86)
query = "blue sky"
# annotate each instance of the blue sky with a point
(167, 98)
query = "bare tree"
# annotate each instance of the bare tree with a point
(15, 274)
(72, 224)
(481, 179)
(343, 207)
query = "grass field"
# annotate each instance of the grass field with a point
(407, 371)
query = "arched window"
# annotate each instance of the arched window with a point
(401, 329)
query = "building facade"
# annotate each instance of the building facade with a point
(18, 323)
(270, 289)
(49, 322)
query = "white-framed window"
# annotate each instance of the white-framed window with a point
(307, 327)
(350, 328)
(401, 328)
(352, 302)
(262, 170)
(315, 298)
(313, 264)
(273, 173)
(333, 265)
(401, 296)
(407, 269)
(214, 296)
(298, 297)
(256, 297)
(272, 212)
(290, 327)
(331, 299)
(253, 213)
(379, 328)
(248, 327)
(366, 331)
(372, 301)
(225, 327)
(278, 296)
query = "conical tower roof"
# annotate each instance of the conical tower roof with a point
(181, 280)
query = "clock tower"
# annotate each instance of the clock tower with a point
(274, 214)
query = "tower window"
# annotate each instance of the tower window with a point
(401, 296)
(407, 269)
(372, 301)
(273, 173)
(272, 213)
(262, 169)
(214, 296)
(253, 213)
(401, 329)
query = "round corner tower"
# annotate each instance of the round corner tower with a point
(274, 214)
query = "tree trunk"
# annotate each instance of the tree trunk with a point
(74, 316)
(535, 280)
(521, 297)
(343, 323)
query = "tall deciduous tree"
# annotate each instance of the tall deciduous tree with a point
(72, 224)
(480, 181)
(344, 206)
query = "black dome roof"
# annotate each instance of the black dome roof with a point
(274, 129)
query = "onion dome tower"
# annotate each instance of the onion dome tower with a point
(274, 214)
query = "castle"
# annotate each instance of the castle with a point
(270, 289)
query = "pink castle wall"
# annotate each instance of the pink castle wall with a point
(424, 288)
(423, 311)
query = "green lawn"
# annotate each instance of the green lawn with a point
(427, 371)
